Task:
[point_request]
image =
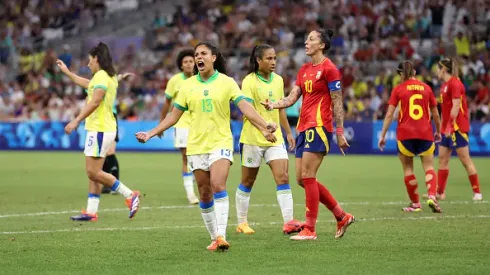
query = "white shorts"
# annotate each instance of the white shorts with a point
(98, 143)
(204, 161)
(252, 154)
(180, 137)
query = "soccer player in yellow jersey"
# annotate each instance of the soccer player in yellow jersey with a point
(207, 97)
(260, 84)
(185, 62)
(101, 131)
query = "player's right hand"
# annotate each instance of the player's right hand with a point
(268, 105)
(437, 137)
(381, 143)
(271, 127)
(142, 137)
(62, 66)
(269, 136)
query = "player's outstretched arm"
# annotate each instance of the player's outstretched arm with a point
(283, 118)
(80, 81)
(386, 125)
(286, 102)
(257, 121)
(168, 122)
(338, 112)
(86, 111)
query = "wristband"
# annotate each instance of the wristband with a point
(340, 131)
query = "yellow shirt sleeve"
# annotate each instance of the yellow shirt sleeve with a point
(247, 88)
(171, 90)
(235, 93)
(181, 99)
(101, 81)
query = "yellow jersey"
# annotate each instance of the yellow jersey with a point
(171, 92)
(255, 87)
(208, 104)
(102, 119)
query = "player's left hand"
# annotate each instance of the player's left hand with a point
(142, 137)
(71, 126)
(291, 142)
(381, 143)
(271, 127)
(269, 136)
(437, 137)
(268, 105)
(342, 143)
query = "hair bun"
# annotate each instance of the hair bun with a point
(329, 33)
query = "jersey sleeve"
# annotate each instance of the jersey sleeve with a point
(236, 94)
(247, 88)
(101, 81)
(393, 98)
(171, 90)
(456, 89)
(332, 76)
(181, 98)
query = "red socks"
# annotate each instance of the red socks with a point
(442, 176)
(431, 182)
(312, 201)
(329, 201)
(475, 183)
(412, 189)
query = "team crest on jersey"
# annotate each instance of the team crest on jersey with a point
(206, 92)
(270, 93)
(318, 74)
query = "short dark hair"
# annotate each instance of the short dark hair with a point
(220, 62)
(103, 54)
(182, 54)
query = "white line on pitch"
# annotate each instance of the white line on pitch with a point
(36, 214)
(77, 229)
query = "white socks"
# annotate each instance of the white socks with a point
(189, 184)
(222, 207)
(285, 200)
(209, 217)
(122, 189)
(93, 203)
(242, 199)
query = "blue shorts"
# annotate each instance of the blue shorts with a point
(315, 140)
(416, 147)
(458, 140)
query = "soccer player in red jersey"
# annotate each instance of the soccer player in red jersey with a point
(414, 133)
(319, 84)
(455, 127)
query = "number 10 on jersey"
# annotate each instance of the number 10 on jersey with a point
(309, 86)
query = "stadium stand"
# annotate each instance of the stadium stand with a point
(371, 38)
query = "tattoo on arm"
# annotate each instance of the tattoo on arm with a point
(338, 108)
(289, 101)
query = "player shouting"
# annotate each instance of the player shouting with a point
(207, 97)
(414, 133)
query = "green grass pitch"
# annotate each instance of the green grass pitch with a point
(39, 191)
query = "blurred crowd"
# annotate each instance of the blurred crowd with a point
(371, 38)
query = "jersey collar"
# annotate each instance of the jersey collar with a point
(265, 80)
(212, 78)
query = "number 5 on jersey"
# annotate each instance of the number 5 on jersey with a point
(415, 110)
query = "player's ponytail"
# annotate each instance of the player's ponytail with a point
(104, 58)
(220, 62)
(257, 52)
(406, 70)
(451, 65)
(325, 37)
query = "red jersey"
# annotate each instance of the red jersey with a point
(316, 83)
(454, 89)
(415, 99)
